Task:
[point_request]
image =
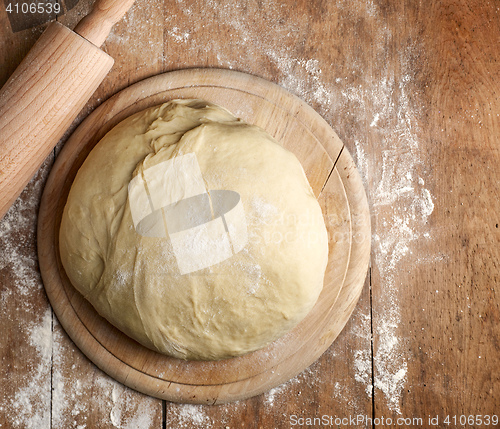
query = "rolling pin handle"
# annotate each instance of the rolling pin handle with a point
(96, 26)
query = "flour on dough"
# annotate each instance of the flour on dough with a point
(194, 233)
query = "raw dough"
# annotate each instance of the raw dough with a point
(268, 255)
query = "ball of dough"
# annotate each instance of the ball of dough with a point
(194, 233)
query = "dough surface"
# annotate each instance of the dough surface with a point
(266, 238)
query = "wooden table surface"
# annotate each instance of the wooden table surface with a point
(413, 90)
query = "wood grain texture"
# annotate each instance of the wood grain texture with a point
(459, 302)
(301, 131)
(26, 316)
(408, 86)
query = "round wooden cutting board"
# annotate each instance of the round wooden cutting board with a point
(336, 183)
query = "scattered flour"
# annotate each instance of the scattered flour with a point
(41, 335)
(126, 409)
(362, 357)
(187, 416)
(274, 394)
(402, 205)
(26, 372)
(31, 402)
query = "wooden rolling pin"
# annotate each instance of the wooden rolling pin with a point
(48, 90)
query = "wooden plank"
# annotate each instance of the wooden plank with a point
(298, 48)
(284, 66)
(402, 203)
(378, 113)
(25, 317)
(83, 396)
(434, 238)
(454, 323)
